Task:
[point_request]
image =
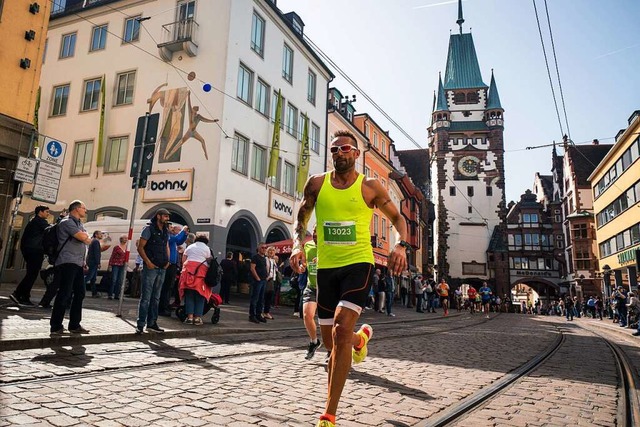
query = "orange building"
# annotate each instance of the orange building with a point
(377, 164)
(23, 33)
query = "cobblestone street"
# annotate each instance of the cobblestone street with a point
(415, 369)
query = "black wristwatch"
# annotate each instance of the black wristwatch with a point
(404, 244)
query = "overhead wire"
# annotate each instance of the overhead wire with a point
(546, 61)
(555, 60)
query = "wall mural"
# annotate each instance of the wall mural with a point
(172, 134)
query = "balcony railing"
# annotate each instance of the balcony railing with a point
(179, 35)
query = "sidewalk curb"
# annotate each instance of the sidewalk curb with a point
(70, 340)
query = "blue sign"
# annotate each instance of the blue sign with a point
(54, 149)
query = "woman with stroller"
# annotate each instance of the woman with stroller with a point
(193, 290)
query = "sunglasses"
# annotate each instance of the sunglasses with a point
(342, 148)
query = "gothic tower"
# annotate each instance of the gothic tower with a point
(467, 169)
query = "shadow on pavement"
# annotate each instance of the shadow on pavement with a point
(376, 380)
(75, 357)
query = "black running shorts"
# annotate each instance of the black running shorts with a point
(350, 283)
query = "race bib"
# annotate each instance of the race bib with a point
(312, 267)
(339, 232)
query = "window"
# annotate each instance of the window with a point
(287, 64)
(245, 84)
(384, 183)
(91, 94)
(517, 238)
(384, 148)
(98, 38)
(384, 228)
(459, 141)
(375, 224)
(452, 191)
(131, 30)
(60, 98)
(257, 34)
(315, 138)
(489, 191)
(366, 129)
(259, 163)
(301, 126)
(580, 231)
(82, 153)
(483, 141)
(375, 139)
(68, 46)
(262, 98)
(116, 154)
(470, 191)
(311, 87)
(277, 182)
(289, 178)
(239, 154)
(367, 171)
(291, 122)
(469, 209)
(375, 175)
(126, 83)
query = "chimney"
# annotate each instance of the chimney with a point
(595, 142)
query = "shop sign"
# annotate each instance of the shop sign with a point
(628, 256)
(281, 207)
(536, 273)
(169, 186)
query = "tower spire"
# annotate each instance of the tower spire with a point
(460, 20)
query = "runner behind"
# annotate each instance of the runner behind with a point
(443, 292)
(485, 294)
(309, 303)
(471, 293)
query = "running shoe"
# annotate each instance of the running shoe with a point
(313, 346)
(325, 423)
(366, 332)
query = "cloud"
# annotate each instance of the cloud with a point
(436, 4)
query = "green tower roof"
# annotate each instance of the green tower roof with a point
(494, 98)
(441, 104)
(463, 71)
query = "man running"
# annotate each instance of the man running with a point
(471, 293)
(485, 294)
(344, 201)
(309, 303)
(443, 292)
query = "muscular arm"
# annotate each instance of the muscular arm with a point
(83, 237)
(310, 195)
(378, 196)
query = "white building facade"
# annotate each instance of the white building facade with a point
(212, 70)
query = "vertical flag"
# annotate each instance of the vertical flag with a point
(275, 143)
(101, 129)
(303, 163)
(35, 122)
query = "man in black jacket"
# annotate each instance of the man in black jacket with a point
(33, 253)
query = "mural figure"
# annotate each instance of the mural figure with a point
(194, 119)
(173, 105)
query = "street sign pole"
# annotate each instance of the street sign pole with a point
(133, 213)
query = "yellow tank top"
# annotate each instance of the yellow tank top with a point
(343, 225)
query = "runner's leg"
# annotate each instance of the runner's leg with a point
(344, 340)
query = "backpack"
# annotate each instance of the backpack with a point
(214, 273)
(50, 243)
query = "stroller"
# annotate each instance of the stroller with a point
(214, 303)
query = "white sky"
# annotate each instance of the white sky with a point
(395, 49)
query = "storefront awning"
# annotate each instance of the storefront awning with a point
(379, 259)
(284, 247)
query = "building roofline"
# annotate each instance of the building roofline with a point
(628, 131)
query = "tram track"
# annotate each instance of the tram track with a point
(628, 409)
(184, 354)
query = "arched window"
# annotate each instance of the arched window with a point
(472, 97)
(459, 98)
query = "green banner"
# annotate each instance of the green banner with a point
(275, 143)
(303, 162)
(101, 129)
